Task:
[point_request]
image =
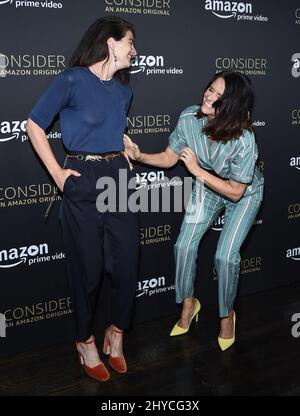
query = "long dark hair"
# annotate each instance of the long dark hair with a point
(93, 46)
(232, 110)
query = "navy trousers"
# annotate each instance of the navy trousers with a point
(97, 241)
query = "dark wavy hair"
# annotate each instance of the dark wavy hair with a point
(93, 46)
(232, 110)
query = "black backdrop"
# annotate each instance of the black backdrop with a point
(180, 45)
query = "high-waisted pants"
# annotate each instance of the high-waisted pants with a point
(95, 242)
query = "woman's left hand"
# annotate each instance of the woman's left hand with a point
(190, 160)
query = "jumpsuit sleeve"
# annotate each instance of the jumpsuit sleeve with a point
(243, 164)
(54, 99)
(177, 138)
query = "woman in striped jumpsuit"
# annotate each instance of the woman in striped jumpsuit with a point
(216, 142)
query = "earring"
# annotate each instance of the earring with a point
(115, 58)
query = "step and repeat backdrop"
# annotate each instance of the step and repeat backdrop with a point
(180, 45)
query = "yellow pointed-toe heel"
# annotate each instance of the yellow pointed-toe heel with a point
(225, 343)
(178, 330)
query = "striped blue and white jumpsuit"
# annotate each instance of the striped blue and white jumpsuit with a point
(232, 160)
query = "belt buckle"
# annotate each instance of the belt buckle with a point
(97, 158)
(79, 157)
(93, 158)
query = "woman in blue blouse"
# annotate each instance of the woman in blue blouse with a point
(92, 98)
(216, 142)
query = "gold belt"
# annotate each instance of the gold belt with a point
(95, 158)
(86, 158)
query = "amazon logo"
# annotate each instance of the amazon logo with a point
(146, 286)
(141, 62)
(15, 256)
(10, 130)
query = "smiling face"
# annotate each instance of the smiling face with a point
(212, 94)
(124, 50)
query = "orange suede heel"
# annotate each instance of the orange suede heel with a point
(117, 363)
(99, 373)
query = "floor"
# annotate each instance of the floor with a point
(264, 360)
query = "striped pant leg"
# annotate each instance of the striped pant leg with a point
(194, 226)
(239, 217)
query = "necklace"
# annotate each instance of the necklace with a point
(107, 87)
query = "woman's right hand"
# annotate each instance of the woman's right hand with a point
(131, 148)
(61, 177)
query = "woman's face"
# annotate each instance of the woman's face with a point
(125, 50)
(212, 94)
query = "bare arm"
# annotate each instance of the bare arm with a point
(40, 144)
(228, 188)
(165, 159)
